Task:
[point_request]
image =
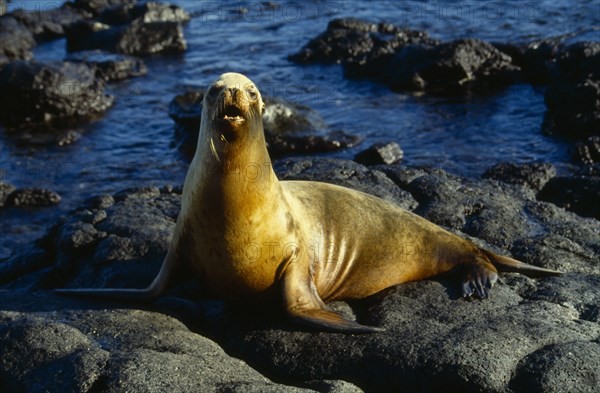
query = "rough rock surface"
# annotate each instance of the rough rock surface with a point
(133, 29)
(380, 153)
(16, 40)
(5, 190)
(588, 152)
(110, 66)
(534, 175)
(573, 109)
(49, 95)
(454, 67)
(96, 7)
(409, 60)
(50, 23)
(354, 40)
(530, 334)
(289, 128)
(32, 197)
(112, 350)
(579, 194)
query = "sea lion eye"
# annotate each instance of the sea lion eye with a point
(252, 93)
(213, 92)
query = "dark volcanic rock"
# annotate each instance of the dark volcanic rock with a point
(580, 194)
(16, 40)
(148, 12)
(49, 24)
(573, 109)
(32, 197)
(409, 60)
(109, 66)
(588, 152)
(140, 29)
(380, 153)
(137, 38)
(534, 175)
(552, 368)
(353, 40)
(530, 334)
(50, 95)
(113, 350)
(289, 128)
(453, 67)
(96, 7)
(5, 190)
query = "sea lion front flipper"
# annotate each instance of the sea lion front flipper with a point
(304, 306)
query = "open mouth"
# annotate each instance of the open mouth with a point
(232, 114)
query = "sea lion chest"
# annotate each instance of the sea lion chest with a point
(236, 241)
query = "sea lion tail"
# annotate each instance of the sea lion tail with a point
(507, 264)
(153, 291)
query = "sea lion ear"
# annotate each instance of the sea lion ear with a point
(262, 108)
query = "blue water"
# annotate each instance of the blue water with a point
(134, 144)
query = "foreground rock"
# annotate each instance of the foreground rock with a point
(50, 95)
(133, 29)
(289, 128)
(16, 40)
(111, 350)
(524, 337)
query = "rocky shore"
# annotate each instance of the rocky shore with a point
(530, 335)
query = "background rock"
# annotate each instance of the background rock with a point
(108, 66)
(50, 95)
(130, 28)
(16, 40)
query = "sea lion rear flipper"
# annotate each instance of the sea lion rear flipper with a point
(506, 264)
(304, 306)
(153, 291)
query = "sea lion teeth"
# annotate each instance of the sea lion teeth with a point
(251, 238)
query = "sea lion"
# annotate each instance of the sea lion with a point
(248, 236)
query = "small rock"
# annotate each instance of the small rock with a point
(380, 153)
(534, 175)
(32, 197)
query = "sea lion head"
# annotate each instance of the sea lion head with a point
(233, 106)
